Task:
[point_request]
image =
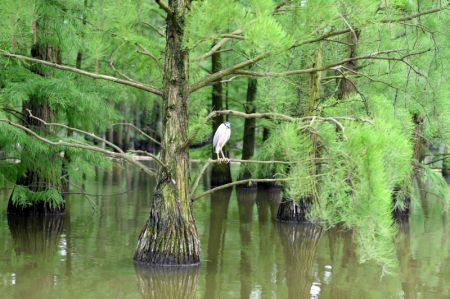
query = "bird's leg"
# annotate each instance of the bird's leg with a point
(225, 159)
(218, 157)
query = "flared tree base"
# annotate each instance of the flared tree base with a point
(169, 237)
(291, 212)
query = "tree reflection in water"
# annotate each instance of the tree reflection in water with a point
(217, 227)
(300, 242)
(168, 282)
(37, 236)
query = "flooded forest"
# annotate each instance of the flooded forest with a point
(224, 149)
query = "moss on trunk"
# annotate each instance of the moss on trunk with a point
(170, 234)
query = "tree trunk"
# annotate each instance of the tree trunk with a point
(220, 173)
(170, 235)
(345, 86)
(248, 147)
(32, 179)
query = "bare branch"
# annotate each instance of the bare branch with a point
(140, 131)
(375, 56)
(163, 5)
(217, 46)
(320, 38)
(149, 155)
(278, 116)
(225, 72)
(210, 161)
(248, 181)
(134, 84)
(414, 16)
(197, 180)
(81, 146)
(92, 135)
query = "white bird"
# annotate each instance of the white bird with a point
(221, 137)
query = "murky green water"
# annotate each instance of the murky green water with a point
(88, 254)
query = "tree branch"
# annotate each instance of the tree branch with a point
(134, 84)
(218, 75)
(140, 131)
(92, 135)
(163, 5)
(149, 155)
(241, 182)
(210, 161)
(81, 146)
(278, 116)
(375, 56)
(320, 38)
(217, 46)
(414, 16)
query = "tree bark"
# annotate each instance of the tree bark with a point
(248, 147)
(170, 235)
(345, 86)
(220, 173)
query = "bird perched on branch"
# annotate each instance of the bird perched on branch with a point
(221, 137)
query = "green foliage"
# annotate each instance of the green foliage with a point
(24, 197)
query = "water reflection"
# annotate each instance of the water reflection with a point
(216, 240)
(245, 253)
(246, 199)
(300, 243)
(168, 282)
(40, 237)
(36, 235)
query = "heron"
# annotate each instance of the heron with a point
(221, 137)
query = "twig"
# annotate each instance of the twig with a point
(134, 84)
(374, 55)
(217, 46)
(197, 180)
(276, 116)
(81, 146)
(241, 182)
(150, 155)
(225, 72)
(407, 18)
(140, 131)
(92, 135)
(211, 161)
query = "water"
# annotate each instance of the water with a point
(88, 254)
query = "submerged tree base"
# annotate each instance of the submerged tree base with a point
(291, 212)
(37, 208)
(169, 237)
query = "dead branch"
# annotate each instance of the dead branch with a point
(140, 131)
(134, 84)
(278, 116)
(92, 135)
(211, 161)
(414, 16)
(374, 55)
(105, 152)
(217, 46)
(241, 182)
(225, 72)
(149, 155)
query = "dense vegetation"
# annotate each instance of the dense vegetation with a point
(340, 96)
